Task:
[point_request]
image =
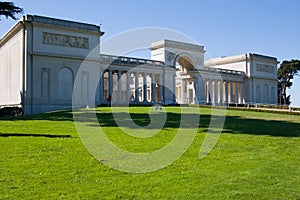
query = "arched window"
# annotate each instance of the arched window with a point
(266, 94)
(257, 94)
(84, 85)
(45, 90)
(65, 83)
(273, 95)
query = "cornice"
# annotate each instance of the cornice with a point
(177, 45)
(61, 56)
(36, 24)
(224, 60)
(240, 58)
(11, 33)
(66, 24)
(99, 60)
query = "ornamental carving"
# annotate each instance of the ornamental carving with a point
(65, 40)
(170, 56)
(264, 68)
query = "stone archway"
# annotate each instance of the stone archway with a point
(182, 82)
(184, 79)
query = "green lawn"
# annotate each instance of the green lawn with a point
(257, 157)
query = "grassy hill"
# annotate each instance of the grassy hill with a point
(256, 157)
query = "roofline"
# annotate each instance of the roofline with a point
(51, 22)
(8, 35)
(239, 58)
(61, 22)
(177, 44)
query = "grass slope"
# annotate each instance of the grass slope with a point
(256, 157)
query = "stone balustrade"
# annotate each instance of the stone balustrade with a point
(224, 71)
(128, 60)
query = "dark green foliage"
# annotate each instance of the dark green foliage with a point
(8, 9)
(11, 111)
(285, 74)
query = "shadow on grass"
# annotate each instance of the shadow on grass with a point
(33, 135)
(62, 115)
(142, 120)
(238, 125)
(232, 125)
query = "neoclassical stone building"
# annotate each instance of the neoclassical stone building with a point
(41, 63)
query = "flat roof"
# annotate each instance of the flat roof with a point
(177, 44)
(61, 22)
(50, 21)
(238, 58)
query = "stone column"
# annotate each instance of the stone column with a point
(110, 84)
(180, 97)
(128, 92)
(161, 98)
(101, 86)
(213, 91)
(119, 86)
(195, 85)
(233, 96)
(220, 92)
(136, 87)
(210, 91)
(184, 91)
(201, 85)
(239, 93)
(144, 87)
(216, 93)
(226, 91)
(222, 88)
(195, 98)
(243, 95)
(206, 91)
(236, 92)
(232, 92)
(174, 88)
(229, 91)
(153, 88)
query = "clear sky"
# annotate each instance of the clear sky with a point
(224, 27)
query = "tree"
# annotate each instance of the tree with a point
(285, 74)
(8, 9)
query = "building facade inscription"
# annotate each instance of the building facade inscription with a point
(65, 40)
(264, 68)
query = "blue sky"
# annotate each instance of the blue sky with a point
(224, 27)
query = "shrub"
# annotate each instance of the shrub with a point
(11, 111)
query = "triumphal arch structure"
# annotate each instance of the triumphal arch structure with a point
(41, 61)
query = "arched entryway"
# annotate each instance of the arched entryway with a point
(185, 87)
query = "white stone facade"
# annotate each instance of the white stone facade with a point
(260, 76)
(40, 58)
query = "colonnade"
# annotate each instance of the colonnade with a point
(220, 91)
(122, 86)
(185, 91)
